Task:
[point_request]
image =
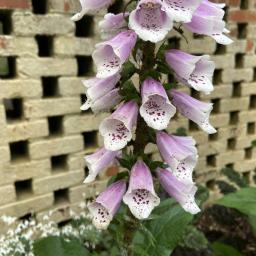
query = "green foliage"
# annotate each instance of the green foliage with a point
(52, 246)
(128, 71)
(129, 92)
(194, 239)
(164, 231)
(234, 177)
(181, 132)
(220, 249)
(225, 188)
(202, 194)
(128, 160)
(254, 143)
(244, 200)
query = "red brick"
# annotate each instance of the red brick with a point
(13, 4)
(230, 3)
(243, 16)
(250, 45)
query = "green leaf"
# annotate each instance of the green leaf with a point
(244, 200)
(119, 176)
(128, 70)
(181, 131)
(53, 246)
(202, 194)
(254, 143)
(225, 188)
(220, 249)
(234, 177)
(129, 92)
(167, 229)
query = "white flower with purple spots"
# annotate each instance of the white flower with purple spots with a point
(180, 153)
(101, 93)
(117, 128)
(100, 161)
(140, 196)
(112, 24)
(107, 204)
(195, 110)
(156, 109)
(91, 6)
(150, 21)
(193, 71)
(208, 20)
(110, 55)
(181, 10)
(183, 192)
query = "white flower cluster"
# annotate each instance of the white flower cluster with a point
(20, 237)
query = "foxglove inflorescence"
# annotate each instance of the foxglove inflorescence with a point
(132, 66)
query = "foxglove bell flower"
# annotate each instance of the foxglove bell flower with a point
(140, 196)
(150, 21)
(180, 153)
(193, 71)
(156, 109)
(113, 24)
(117, 128)
(110, 55)
(99, 91)
(195, 110)
(107, 204)
(181, 10)
(182, 191)
(91, 6)
(208, 20)
(100, 161)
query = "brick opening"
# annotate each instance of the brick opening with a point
(241, 30)
(252, 102)
(210, 184)
(90, 138)
(63, 223)
(251, 128)
(23, 188)
(84, 27)
(27, 217)
(247, 176)
(116, 7)
(239, 60)
(19, 150)
(233, 117)
(7, 67)
(244, 4)
(231, 144)
(237, 89)
(216, 105)
(86, 171)
(248, 153)
(59, 163)
(13, 109)
(50, 86)
(174, 42)
(5, 22)
(213, 137)
(40, 6)
(220, 49)
(194, 93)
(211, 160)
(61, 196)
(231, 166)
(45, 45)
(55, 125)
(217, 77)
(84, 65)
(192, 126)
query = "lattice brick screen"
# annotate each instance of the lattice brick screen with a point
(43, 134)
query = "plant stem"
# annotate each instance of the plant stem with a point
(141, 140)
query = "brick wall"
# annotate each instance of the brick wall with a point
(43, 134)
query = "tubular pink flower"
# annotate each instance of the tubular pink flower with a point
(99, 161)
(113, 24)
(193, 71)
(117, 128)
(181, 10)
(208, 20)
(156, 109)
(107, 204)
(101, 93)
(195, 110)
(140, 196)
(150, 21)
(179, 153)
(91, 6)
(109, 56)
(182, 191)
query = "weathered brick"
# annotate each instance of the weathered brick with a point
(28, 24)
(55, 146)
(7, 194)
(69, 86)
(37, 67)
